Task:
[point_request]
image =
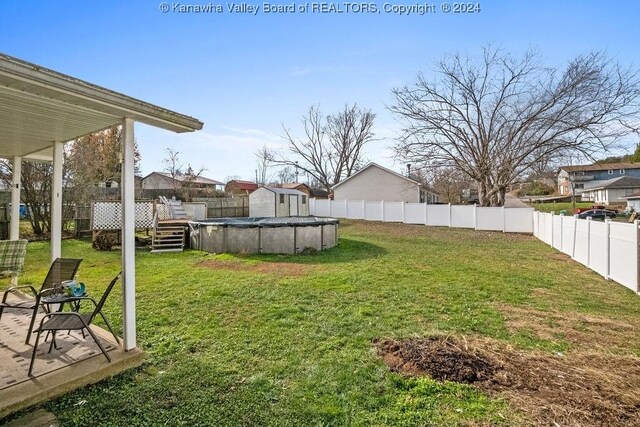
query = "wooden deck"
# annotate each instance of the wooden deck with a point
(77, 363)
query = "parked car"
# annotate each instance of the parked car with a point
(597, 214)
(599, 207)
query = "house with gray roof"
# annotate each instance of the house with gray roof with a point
(612, 191)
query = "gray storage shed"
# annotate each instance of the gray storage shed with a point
(278, 202)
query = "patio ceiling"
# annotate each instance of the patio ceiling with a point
(39, 106)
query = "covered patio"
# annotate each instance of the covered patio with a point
(41, 110)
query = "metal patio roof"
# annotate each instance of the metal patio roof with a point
(39, 106)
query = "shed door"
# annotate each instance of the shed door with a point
(293, 205)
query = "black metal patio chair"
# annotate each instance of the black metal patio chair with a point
(74, 321)
(61, 269)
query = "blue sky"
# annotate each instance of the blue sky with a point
(245, 75)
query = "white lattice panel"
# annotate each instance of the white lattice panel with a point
(108, 215)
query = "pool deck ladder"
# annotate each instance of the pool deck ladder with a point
(169, 234)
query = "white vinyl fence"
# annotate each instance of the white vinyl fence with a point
(459, 216)
(609, 248)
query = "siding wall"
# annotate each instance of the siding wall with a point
(376, 184)
(262, 203)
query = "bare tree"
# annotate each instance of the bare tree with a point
(286, 175)
(265, 157)
(498, 118)
(35, 183)
(183, 179)
(331, 148)
(173, 166)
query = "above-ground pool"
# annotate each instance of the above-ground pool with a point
(288, 235)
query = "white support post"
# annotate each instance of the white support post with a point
(607, 247)
(14, 227)
(589, 241)
(561, 231)
(346, 208)
(552, 231)
(382, 209)
(575, 234)
(425, 212)
(404, 216)
(56, 202)
(330, 203)
(364, 209)
(636, 223)
(504, 220)
(475, 216)
(128, 237)
(450, 214)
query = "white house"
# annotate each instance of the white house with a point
(614, 190)
(633, 202)
(278, 202)
(374, 182)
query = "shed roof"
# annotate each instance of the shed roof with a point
(39, 106)
(284, 191)
(370, 165)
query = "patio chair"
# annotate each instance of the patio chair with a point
(61, 269)
(12, 253)
(74, 321)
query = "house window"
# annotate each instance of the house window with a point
(282, 199)
(610, 171)
(629, 191)
(304, 200)
(577, 186)
(621, 171)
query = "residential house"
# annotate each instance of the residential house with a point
(577, 177)
(633, 202)
(237, 187)
(164, 181)
(278, 202)
(318, 193)
(374, 182)
(297, 186)
(612, 191)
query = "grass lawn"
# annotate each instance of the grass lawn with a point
(557, 207)
(287, 340)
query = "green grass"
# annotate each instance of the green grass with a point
(231, 340)
(557, 207)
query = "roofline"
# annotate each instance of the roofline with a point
(367, 166)
(29, 72)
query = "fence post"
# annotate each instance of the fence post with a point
(637, 246)
(346, 208)
(561, 230)
(449, 214)
(404, 216)
(330, 203)
(425, 212)
(382, 208)
(504, 220)
(364, 209)
(607, 248)
(575, 233)
(475, 216)
(589, 241)
(552, 231)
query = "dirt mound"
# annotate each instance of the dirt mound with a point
(578, 389)
(441, 359)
